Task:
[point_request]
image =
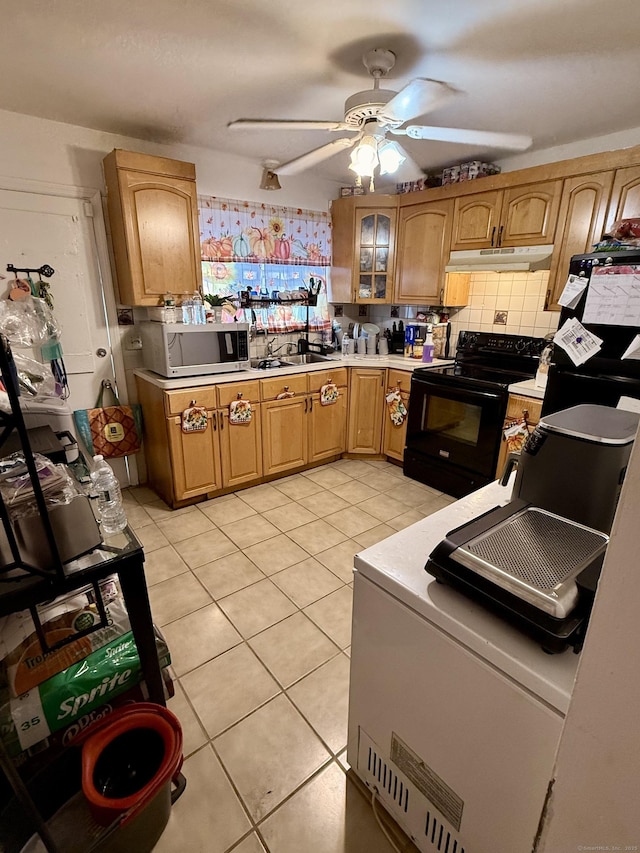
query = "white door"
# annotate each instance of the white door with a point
(38, 228)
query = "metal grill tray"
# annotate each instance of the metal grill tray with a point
(535, 555)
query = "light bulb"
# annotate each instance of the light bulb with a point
(364, 158)
(391, 158)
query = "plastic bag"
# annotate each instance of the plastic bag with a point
(34, 377)
(17, 491)
(27, 323)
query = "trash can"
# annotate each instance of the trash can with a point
(129, 762)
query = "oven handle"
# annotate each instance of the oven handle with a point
(469, 393)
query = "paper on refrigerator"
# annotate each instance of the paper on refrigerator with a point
(573, 290)
(613, 298)
(579, 343)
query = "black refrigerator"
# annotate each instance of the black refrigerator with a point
(606, 376)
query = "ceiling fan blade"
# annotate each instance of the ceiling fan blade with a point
(418, 97)
(312, 158)
(512, 141)
(285, 124)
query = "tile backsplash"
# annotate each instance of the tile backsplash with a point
(517, 297)
(518, 300)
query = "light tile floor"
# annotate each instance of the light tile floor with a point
(253, 592)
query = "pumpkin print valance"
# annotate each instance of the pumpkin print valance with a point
(241, 231)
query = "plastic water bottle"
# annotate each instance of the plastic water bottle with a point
(187, 308)
(112, 515)
(198, 309)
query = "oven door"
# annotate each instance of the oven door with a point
(458, 426)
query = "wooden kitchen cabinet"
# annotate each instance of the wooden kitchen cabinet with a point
(284, 434)
(516, 216)
(366, 396)
(394, 437)
(581, 220)
(364, 236)
(153, 214)
(518, 406)
(284, 423)
(327, 425)
(625, 195)
(240, 444)
(195, 459)
(424, 238)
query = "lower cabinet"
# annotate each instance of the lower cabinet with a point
(327, 424)
(394, 436)
(240, 443)
(366, 396)
(299, 430)
(195, 458)
(518, 407)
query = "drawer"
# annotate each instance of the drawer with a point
(270, 388)
(176, 402)
(320, 377)
(250, 390)
(399, 378)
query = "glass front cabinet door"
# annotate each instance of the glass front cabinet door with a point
(374, 255)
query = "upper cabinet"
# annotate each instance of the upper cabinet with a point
(364, 234)
(424, 236)
(583, 208)
(625, 195)
(516, 216)
(153, 214)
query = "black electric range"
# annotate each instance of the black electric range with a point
(456, 413)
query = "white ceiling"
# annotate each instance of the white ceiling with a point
(178, 72)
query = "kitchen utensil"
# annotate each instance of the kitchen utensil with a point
(371, 329)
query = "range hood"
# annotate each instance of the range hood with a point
(515, 259)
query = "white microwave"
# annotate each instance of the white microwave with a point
(177, 349)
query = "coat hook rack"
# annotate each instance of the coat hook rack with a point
(44, 270)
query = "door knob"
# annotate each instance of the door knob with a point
(101, 352)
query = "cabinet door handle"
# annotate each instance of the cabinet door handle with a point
(493, 234)
(547, 300)
(221, 420)
(442, 296)
(499, 243)
(306, 404)
(214, 420)
(310, 404)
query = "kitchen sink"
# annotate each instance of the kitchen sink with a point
(308, 358)
(273, 362)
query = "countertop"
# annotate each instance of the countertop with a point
(397, 565)
(528, 388)
(397, 362)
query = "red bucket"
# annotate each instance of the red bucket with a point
(128, 759)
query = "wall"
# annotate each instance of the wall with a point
(519, 295)
(51, 152)
(595, 145)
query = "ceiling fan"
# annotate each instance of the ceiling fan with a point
(374, 113)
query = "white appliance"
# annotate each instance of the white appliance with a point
(508, 258)
(454, 716)
(177, 349)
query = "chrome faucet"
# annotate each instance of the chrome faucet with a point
(287, 345)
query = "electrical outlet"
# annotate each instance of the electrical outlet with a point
(133, 342)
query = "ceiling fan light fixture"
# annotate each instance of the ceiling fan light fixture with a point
(390, 156)
(269, 180)
(364, 157)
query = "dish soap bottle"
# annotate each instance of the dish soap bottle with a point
(427, 348)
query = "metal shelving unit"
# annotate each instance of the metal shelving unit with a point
(23, 585)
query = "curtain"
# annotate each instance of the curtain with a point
(274, 251)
